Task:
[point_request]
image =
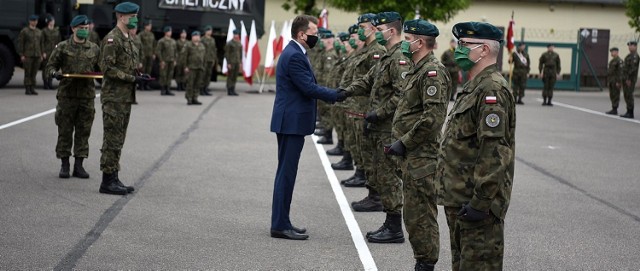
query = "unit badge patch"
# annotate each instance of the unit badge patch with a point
(432, 90)
(492, 120)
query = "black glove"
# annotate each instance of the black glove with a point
(365, 130)
(469, 214)
(397, 148)
(341, 96)
(371, 117)
(142, 78)
(58, 76)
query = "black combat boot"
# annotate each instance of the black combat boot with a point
(189, 101)
(110, 185)
(545, 101)
(205, 92)
(162, 91)
(27, 91)
(145, 85)
(350, 178)
(519, 100)
(195, 101)
(180, 86)
(629, 114)
(119, 182)
(391, 233)
(359, 180)
(64, 168)
(338, 150)
(549, 102)
(319, 131)
(371, 203)
(613, 111)
(345, 164)
(50, 83)
(167, 91)
(33, 90)
(78, 169)
(327, 138)
(424, 266)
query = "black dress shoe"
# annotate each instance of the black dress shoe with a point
(289, 234)
(299, 230)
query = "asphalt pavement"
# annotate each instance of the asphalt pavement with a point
(204, 181)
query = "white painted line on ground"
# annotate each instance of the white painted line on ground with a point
(592, 111)
(32, 117)
(356, 235)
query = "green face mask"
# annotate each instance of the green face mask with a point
(380, 37)
(461, 56)
(361, 34)
(405, 48)
(343, 49)
(337, 44)
(321, 45)
(82, 33)
(133, 22)
(353, 44)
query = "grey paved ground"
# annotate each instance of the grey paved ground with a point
(204, 179)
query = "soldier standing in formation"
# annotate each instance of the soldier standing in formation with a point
(51, 37)
(476, 158)
(118, 61)
(336, 111)
(75, 110)
(137, 43)
(31, 53)
(630, 76)
(192, 58)
(615, 78)
(179, 74)
(233, 54)
(327, 60)
(148, 49)
(521, 67)
(449, 61)
(549, 67)
(167, 55)
(210, 59)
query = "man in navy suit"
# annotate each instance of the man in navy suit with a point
(294, 117)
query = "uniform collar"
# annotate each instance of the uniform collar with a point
(476, 80)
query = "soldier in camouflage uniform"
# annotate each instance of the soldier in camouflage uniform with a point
(615, 78)
(476, 157)
(233, 54)
(179, 74)
(118, 62)
(521, 67)
(630, 76)
(549, 67)
(75, 109)
(148, 50)
(93, 35)
(383, 85)
(51, 37)
(31, 53)
(325, 66)
(210, 59)
(137, 43)
(192, 58)
(167, 55)
(336, 111)
(449, 61)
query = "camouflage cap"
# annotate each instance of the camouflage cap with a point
(34, 17)
(614, 49)
(195, 33)
(167, 29)
(387, 17)
(127, 8)
(477, 30)
(632, 42)
(420, 27)
(366, 18)
(80, 20)
(344, 36)
(353, 29)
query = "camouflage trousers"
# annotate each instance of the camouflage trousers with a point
(366, 145)
(549, 81)
(350, 138)
(383, 177)
(147, 62)
(206, 73)
(194, 83)
(31, 66)
(628, 94)
(43, 64)
(74, 115)
(232, 76)
(115, 118)
(166, 73)
(179, 74)
(324, 115)
(518, 83)
(614, 93)
(475, 245)
(339, 120)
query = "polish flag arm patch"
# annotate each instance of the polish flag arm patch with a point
(402, 62)
(110, 40)
(432, 73)
(376, 56)
(490, 100)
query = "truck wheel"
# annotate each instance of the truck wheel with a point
(7, 63)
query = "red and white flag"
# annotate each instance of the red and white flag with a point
(232, 27)
(323, 19)
(279, 43)
(253, 55)
(272, 43)
(510, 38)
(244, 39)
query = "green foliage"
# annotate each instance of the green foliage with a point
(633, 12)
(301, 6)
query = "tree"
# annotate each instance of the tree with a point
(432, 10)
(301, 6)
(633, 12)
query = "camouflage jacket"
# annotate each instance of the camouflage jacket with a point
(118, 61)
(422, 109)
(211, 54)
(167, 51)
(383, 85)
(30, 42)
(631, 67)
(233, 52)
(363, 61)
(327, 65)
(148, 43)
(615, 72)
(449, 61)
(50, 37)
(476, 158)
(138, 47)
(345, 76)
(192, 56)
(71, 57)
(316, 56)
(94, 37)
(549, 61)
(521, 66)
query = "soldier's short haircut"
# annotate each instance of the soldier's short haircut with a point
(494, 47)
(397, 25)
(301, 23)
(429, 41)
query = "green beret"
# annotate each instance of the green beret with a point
(632, 42)
(167, 29)
(344, 36)
(195, 33)
(614, 49)
(387, 17)
(49, 18)
(477, 30)
(521, 43)
(366, 18)
(236, 31)
(421, 27)
(79, 20)
(127, 8)
(34, 17)
(327, 35)
(207, 27)
(183, 31)
(353, 29)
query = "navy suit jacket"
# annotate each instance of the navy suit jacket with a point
(294, 108)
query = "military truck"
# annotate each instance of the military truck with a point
(180, 14)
